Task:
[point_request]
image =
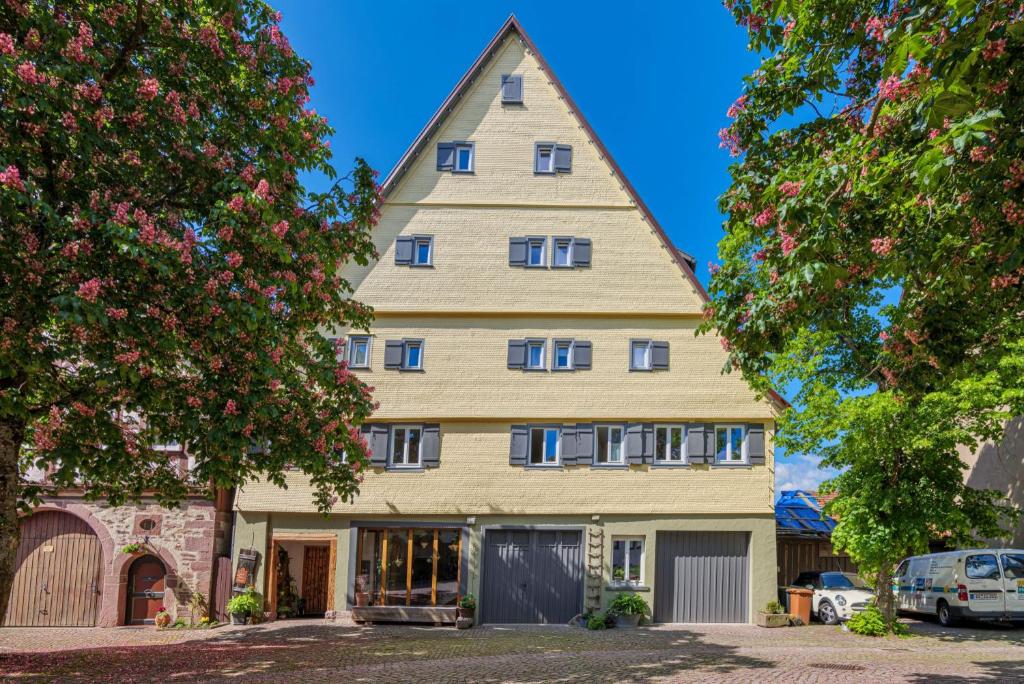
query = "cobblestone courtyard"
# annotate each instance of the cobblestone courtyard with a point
(298, 652)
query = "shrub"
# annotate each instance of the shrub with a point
(597, 621)
(248, 602)
(468, 602)
(871, 622)
(197, 606)
(129, 549)
(628, 603)
(774, 608)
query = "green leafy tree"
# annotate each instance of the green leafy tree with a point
(165, 275)
(874, 251)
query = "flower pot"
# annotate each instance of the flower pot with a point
(362, 599)
(463, 623)
(461, 612)
(162, 619)
(239, 618)
(772, 620)
(627, 621)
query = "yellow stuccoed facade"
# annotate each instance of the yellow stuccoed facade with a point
(466, 307)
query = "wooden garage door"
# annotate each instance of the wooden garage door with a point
(532, 576)
(57, 581)
(701, 577)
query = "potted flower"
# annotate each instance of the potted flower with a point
(244, 606)
(163, 618)
(773, 615)
(628, 608)
(466, 607)
(132, 549)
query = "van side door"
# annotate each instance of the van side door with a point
(1013, 582)
(984, 583)
(901, 585)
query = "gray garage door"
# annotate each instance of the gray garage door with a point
(701, 577)
(531, 576)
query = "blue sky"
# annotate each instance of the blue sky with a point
(653, 78)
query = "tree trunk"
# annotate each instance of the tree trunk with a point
(11, 434)
(885, 598)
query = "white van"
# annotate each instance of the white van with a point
(984, 584)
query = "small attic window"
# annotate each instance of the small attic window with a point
(511, 89)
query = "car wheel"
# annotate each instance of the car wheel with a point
(827, 613)
(946, 618)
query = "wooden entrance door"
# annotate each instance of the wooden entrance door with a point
(57, 579)
(145, 590)
(315, 575)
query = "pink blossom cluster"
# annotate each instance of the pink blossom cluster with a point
(1016, 172)
(148, 89)
(981, 153)
(882, 246)
(128, 358)
(892, 88)
(7, 44)
(280, 229)
(1013, 212)
(230, 408)
(791, 188)
(736, 107)
(994, 49)
(11, 178)
(730, 140)
(75, 49)
(27, 72)
(788, 242)
(766, 217)
(875, 27)
(90, 289)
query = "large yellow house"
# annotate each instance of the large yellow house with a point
(551, 432)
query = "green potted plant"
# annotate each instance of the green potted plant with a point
(244, 606)
(628, 608)
(466, 607)
(773, 615)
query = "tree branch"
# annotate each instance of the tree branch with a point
(131, 43)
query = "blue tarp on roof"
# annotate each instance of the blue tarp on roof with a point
(797, 512)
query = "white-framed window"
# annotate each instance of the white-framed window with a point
(412, 355)
(628, 560)
(423, 251)
(670, 444)
(406, 446)
(536, 249)
(609, 443)
(544, 158)
(562, 356)
(464, 157)
(545, 445)
(561, 252)
(535, 354)
(640, 355)
(359, 351)
(730, 444)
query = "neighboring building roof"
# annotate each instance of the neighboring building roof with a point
(798, 513)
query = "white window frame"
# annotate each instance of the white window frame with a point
(568, 242)
(544, 463)
(530, 344)
(550, 149)
(406, 344)
(650, 354)
(350, 352)
(416, 243)
(665, 458)
(569, 345)
(460, 146)
(405, 448)
(530, 243)
(622, 445)
(625, 581)
(744, 451)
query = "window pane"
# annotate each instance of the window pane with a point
(640, 355)
(737, 443)
(412, 355)
(636, 554)
(536, 356)
(536, 253)
(562, 356)
(1013, 566)
(423, 252)
(982, 567)
(602, 445)
(537, 445)
(368, 574)
(676, 453)
(465, 158)
(359, 348)
(398, 447)
(414, 446)
(447, 567)
(721, 443)
(422, 567)
(550, 446)
(397, 567)
(543, 158)
(561, 253)
(660, 443)
(618, 560)
(615, 445)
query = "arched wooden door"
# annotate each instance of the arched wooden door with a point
(145, 590)
(57, 580)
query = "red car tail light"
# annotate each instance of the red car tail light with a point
(961, 592)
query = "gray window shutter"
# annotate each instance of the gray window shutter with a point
(403, 251)
(445, 156)
(581, 249)
(519, 445)
(584, 444)
(512, 88)
(635, 443)
(755, 443)
(581, 354)
(709, 443)
(695, 443)
(659, 355)
(377, 442)
(563, 158)
(517, 353)
(431, 445)
(393, 353)
(648, 431)
(517, 251)
(568, 445)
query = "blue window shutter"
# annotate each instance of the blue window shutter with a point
(517, 353)
(584, 444)
(581, 354)
(659, 355)
(755, 443)
(635, 443)
(445, 156)
(563, 158)
(695, 443)
(403, 251)
(581, 249)
(517, 251)
(431, 445)
(568, 446)
(376, 435)
(393, 353)
(512, 88)
(519, 445)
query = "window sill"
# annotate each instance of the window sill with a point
(626, 586)
(611, 466)
(542, 466)
(411, 370)
(717, 464)
(670, 464)
(640, 370)
(421, 265)
(562, 370)
(405, 469)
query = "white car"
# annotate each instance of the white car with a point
(837, 595)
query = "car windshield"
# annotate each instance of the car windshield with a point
(843, 580)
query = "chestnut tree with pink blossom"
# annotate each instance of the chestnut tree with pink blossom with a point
(874, 252)
(164, 274)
